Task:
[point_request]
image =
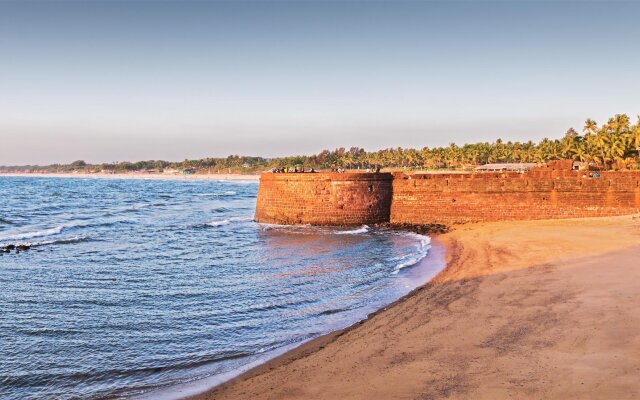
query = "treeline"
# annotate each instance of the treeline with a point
(614, 144)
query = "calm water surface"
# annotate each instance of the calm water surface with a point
(132, 285)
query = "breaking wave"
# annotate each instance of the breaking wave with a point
(228, 221)
(59, 229)
(364, 229)
(422, 248)
(33, 234)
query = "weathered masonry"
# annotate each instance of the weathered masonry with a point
(363, 198)
(324, 198)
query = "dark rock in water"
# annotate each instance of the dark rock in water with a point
(422, 229)
(17, 248)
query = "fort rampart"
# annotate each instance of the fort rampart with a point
(325, 198)
(361, 198)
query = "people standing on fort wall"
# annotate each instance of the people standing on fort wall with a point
(287, 170)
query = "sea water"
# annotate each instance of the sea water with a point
(131, 286)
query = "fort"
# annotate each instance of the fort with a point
(548, 192)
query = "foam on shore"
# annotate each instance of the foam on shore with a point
(364, 229)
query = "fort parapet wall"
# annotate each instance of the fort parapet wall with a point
(324, 198)
(455, 199)
(361, 198)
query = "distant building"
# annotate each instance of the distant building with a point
(506, 167)
(188, 171)
(579, 166)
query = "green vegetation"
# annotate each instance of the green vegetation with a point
(615, 144)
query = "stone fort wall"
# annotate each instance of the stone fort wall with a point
(455, 199)
(324, 198)
(361, 198)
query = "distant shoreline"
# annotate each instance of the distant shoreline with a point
(180, 177)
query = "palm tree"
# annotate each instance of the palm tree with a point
(636, 137)
(590, 127)
(617, 148)
(602, 141)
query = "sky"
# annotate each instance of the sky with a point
(140, 80)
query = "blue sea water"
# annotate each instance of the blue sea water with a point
(132, 286)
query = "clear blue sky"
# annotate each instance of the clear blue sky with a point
(105, 81)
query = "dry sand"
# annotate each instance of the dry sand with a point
(231, 177)
(524, 310)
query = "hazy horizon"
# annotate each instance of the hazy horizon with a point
(116, 81)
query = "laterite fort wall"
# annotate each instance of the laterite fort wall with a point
(324, 198)
(539, 194)
(363, 198)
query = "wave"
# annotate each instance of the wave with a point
(333, 311)
(218, 223)
(266, 227)
(59, 229)
(293, 229)
(103, 223)
(228, 221)
(227, 193)
(135, 208)
(38, 378)
(4, 221)
(33, 234)
(423, 247)
(77, 239)
(71, 240)
(364, 229)
(238, 181)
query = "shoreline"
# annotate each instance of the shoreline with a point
(178, 177)
(449, 338)
(419, 274)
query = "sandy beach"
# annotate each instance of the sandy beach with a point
(524, 310)
(234, 177)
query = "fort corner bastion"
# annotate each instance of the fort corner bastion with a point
(328, 198)
(324, 198)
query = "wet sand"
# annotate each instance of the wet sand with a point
(524, 310)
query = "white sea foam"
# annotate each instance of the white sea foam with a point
(364, 229)
(219, 223)
(74, 224)
(423, 246)
(33, 234)
(227, 193)
(229, 220)
(266, 227)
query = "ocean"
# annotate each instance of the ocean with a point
(136, 286)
